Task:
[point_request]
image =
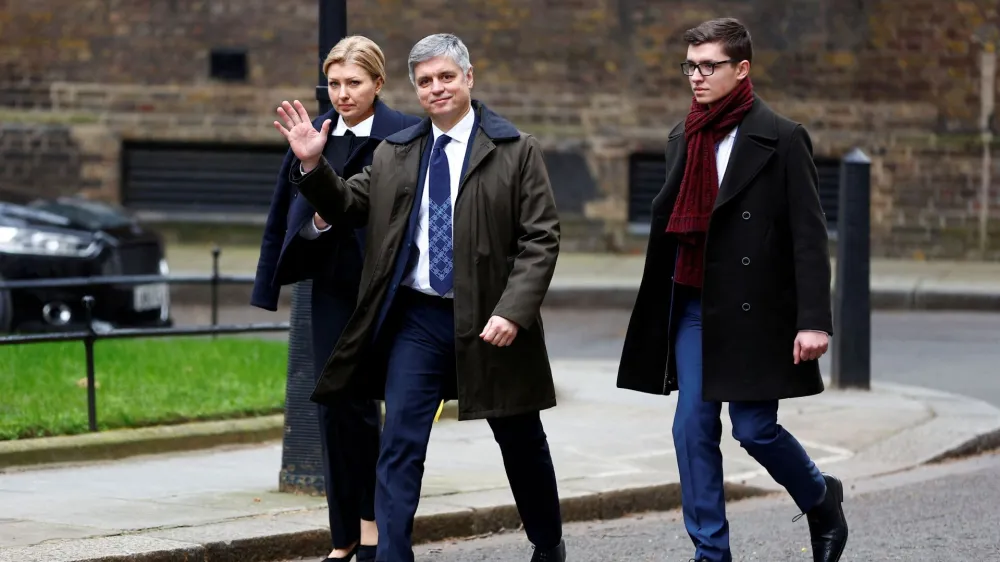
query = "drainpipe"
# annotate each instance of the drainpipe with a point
(988, 67)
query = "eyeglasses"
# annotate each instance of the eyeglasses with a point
(705, 68)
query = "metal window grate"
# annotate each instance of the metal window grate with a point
(228, 64)
(646, 173)
(200, 177)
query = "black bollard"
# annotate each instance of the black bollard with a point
(301, 453)
(301, 458)
(851, 345)
(88, 346)
(215, 285)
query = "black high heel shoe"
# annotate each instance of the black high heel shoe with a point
(347, 558)
(366, 553)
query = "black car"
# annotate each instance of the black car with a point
(52, 239)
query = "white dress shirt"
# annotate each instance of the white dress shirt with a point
(362, 129)
(461, 135)
(723, 153)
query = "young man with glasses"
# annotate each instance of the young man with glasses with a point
(734, 304)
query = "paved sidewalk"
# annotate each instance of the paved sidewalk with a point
(611, 280)
(612, 450)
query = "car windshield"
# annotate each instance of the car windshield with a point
(92, 215)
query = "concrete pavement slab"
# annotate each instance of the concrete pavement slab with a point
(612, 450)
(15, 532)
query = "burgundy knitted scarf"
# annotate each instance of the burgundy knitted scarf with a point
(703, 129)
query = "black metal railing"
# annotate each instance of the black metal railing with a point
(213, 280)
(90, 335)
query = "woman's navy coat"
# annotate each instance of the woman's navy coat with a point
(335, 258)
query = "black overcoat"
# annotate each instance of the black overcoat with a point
(767, 271)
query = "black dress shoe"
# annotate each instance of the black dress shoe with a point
(827, 524)
(366, 553)
(555, 554)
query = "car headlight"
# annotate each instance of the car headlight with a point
(15, 240)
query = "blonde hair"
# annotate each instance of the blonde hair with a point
(358, 50)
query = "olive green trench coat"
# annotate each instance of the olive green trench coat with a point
(506, 241)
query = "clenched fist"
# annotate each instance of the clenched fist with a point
(499, 332)
(305, 141)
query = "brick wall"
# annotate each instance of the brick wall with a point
(37, 160)
(901, 80)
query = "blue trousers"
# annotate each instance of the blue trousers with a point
(421, 362)
(697, 432)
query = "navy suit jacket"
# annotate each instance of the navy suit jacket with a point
(337, 255)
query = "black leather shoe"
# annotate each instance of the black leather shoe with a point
(827, 524)
(555, 554)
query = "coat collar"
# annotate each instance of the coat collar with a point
(754, 146)
(755, 143)
(387, 120)
(495, 127)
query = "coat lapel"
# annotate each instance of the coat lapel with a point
(490, 130)
(481, 148)
(407, 165)
(754, 146)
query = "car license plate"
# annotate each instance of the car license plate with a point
(149, 297)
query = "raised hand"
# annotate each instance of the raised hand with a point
(305, 141)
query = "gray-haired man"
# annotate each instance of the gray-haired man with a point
(450, 301)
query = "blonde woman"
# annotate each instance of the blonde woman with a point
(299, 245)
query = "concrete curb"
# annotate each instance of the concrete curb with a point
(887, 297)
(116, 444)
(989, 441)
(956, 414)
(958, 426)
(185, 545)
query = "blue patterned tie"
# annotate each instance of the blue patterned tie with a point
(439, 235)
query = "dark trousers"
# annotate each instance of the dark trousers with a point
(349, 431)
(421, 363)
(697, 432)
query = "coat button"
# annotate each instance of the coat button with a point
(746, 307)
(746, 261)
(746, 215)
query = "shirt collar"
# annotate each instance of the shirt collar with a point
(461, 131)
(362, 129)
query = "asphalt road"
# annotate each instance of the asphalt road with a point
(941, 513)
(956, 352)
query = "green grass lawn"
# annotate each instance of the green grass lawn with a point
(141, 382)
